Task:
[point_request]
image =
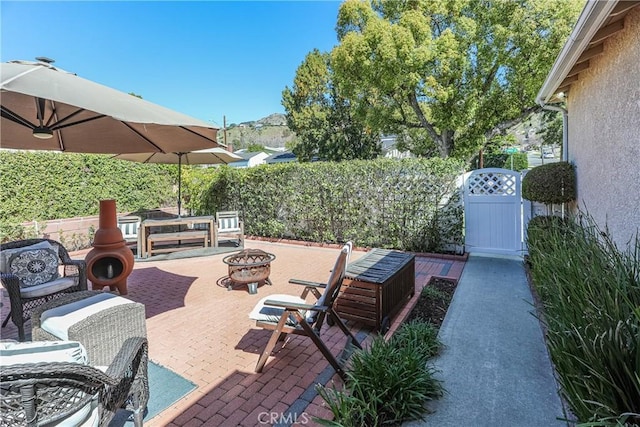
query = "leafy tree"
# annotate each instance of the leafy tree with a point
(255, 148)
(551, 132)
(498, 143)
(322, 118)
(453, 73)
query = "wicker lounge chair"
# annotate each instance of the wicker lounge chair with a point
(52, 393)
(25, 286)
(288, 314)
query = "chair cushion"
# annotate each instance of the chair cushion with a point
(265, 313)
(6, 253)
(13, 352)
(48, 288)
(58, 320)
(228, 224)
(34, 266)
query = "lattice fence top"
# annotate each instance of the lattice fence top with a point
(492, 184)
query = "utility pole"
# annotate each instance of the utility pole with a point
(224, 127)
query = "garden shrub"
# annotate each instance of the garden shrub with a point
(48, 185)
(410, 204)
(590, 294)
(550, 184)
(388, 382)
(503, 161)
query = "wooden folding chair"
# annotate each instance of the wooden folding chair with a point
(288, 314)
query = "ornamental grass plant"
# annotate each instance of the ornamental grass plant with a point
(590, 295)
(388, 382)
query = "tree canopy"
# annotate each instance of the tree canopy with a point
(444, 75)
(322, 118)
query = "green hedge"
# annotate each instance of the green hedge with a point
(43, 185)
(410, 204)
(503, 161)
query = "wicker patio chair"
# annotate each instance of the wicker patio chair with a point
(288, 314)
(46, 393)
(23, 296)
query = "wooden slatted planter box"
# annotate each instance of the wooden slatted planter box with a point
(376, 287)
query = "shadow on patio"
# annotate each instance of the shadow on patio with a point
(202, 331)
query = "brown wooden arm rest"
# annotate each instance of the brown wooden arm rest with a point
(307, 283)
(293, 305)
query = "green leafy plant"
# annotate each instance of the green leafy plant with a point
(412, 204)
(43, 185)
(389, 381)
(590, 294)
(419, 337)
(550, 183)
(503, 160)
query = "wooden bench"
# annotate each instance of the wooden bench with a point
(177, 237)
(376, 287)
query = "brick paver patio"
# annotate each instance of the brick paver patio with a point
(200, 330)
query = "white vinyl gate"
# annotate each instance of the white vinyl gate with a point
(493, 212)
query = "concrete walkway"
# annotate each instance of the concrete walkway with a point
(495, 365)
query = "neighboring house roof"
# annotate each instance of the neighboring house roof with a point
(284, 157)
(246, 155)
(249, 159)
(598, 21)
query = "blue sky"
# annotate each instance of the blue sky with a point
(206, 59)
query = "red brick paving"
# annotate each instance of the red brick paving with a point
(200, 330)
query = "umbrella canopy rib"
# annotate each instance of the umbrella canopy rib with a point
(143, 137)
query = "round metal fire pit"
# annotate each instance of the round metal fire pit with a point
(251, 267)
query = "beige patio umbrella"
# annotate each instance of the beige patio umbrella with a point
(46, 108)
(209, 156)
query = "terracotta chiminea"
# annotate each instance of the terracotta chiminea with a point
(110, 261)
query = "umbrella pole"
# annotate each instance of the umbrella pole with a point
(179, 184)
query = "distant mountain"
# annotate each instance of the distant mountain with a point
(270, 131)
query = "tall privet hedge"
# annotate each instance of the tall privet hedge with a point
(410, 204)
(45, 185)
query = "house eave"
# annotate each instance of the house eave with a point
(598, 20)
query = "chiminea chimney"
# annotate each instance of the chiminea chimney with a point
(110, 261)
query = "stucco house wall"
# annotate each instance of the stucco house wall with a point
(604, 133)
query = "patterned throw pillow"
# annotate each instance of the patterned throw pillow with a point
(34, 267)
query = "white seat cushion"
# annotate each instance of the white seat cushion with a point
(58, 320)
(48, 288)
(266, 313)
(13, 352)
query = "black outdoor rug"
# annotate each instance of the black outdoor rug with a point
(165, 388)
